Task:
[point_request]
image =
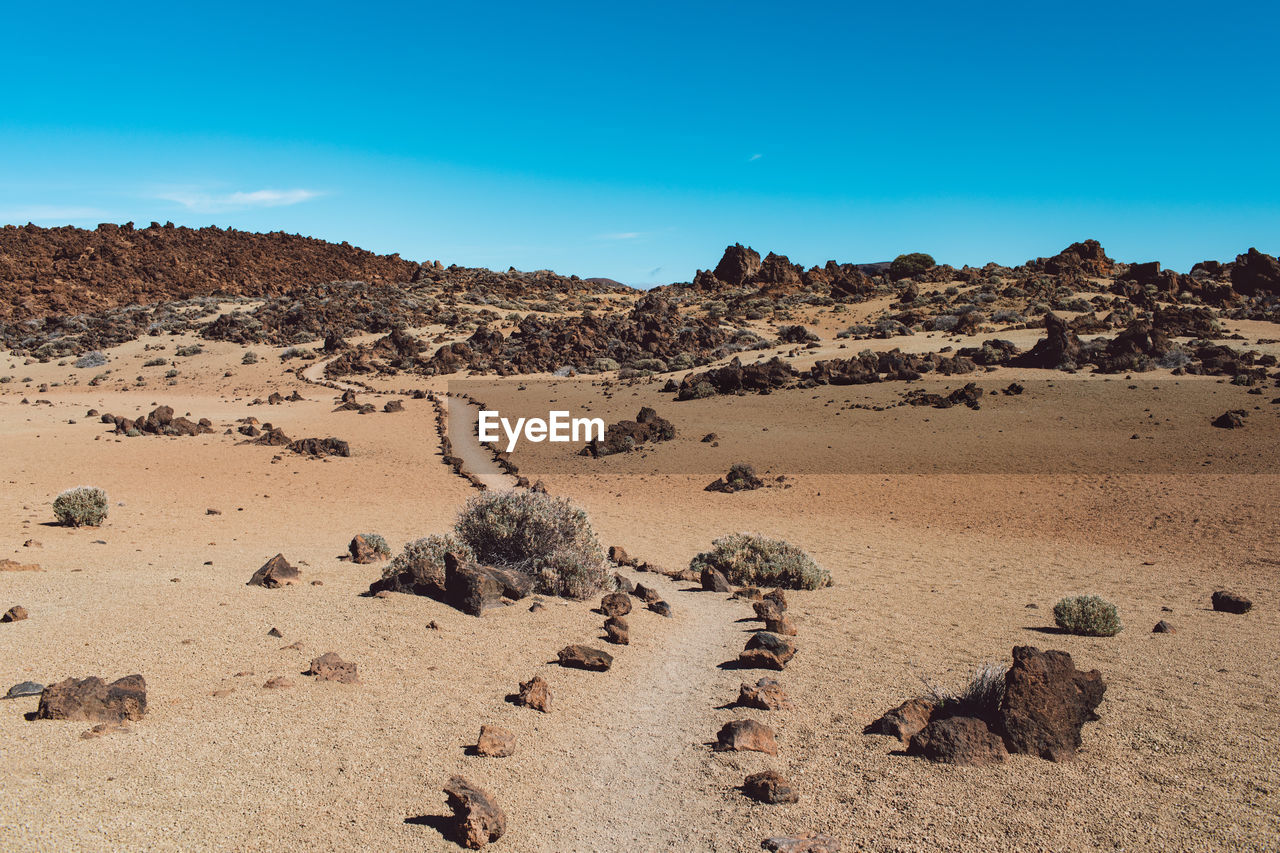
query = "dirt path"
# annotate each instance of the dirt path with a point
(477, 459)
(630, 746)
(315, 375)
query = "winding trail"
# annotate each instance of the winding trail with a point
(461, 419)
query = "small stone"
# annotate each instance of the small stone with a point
(14, 614)
(770, 786)
(1231, 602)
(495, 742)
(477, 820)
(661, 608)
(274, 632)
(1163, 627)
(275, 573)
(585, 657)
(746, 736)
(535, 693)
(24, 688)
(617, 631)
(806, 843)
(277, 682)
(766, 694)
(615, 604)
(330, 667)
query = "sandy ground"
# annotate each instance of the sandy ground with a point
(940, 527)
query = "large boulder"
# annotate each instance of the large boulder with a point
(738, 265)
(93, 700)
(1255, 273)
(746, 736)
(275, 573)
(958, 740)
(766, 650)
(468, 588)
(585, 657)
(1225, 601)
(1046, 702)
(477, 820)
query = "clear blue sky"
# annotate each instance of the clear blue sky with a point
(636, 140)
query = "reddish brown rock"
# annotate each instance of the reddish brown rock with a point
(7, 565)
(495, 742)
(93, 700)
(477, 820)
(778, 597)
(362, 552)
(585, 657)
(713, 581)
(749, 593)
(535, 693)
(620, 557)
(1046, 703)
(766, 650)
(767, 610)
(275, 573)
(1231, 602)
(14, 614)
(904, 721)
(958, 740)
(782, 625)
(661, 608)
(468, 588)
(770, 786)
(646, 594)
(766, 694)
(277, 682)
(615, 604)
(746, 736)
(330, 667)
(617, 631)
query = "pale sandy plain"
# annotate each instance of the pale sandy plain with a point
(940, 528)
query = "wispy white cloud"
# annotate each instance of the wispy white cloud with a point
(621, 235)
(754, 157)
(202, 201)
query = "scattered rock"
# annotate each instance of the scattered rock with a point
(617, 631)
(646, 594)
(958, 740)
(14, 614)
(766, 694)
(746, 736)
(535, 693)
(623, 584)
(393, 406)
(275, 573)
(277, 682)
(477, 820)
(320, 447)
(749, 593)
(1230, 602)
(495, 742)
(741, 478)
(330, 667)
(661, 608)
(585, 657)
(93, 700)
(615, 604)
(770, 786)
(778, 597)
(767, 651)
(618, 556)
(468, 588)
(1046, 702)
(714, 581)
(1230, 420)
(1163, 627)
(7, 565)
(904, 721)
(24, 688)
(781, 625)
(767, 610)
(363, 552)
(274, 632)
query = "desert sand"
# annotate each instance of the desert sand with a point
(949, 535)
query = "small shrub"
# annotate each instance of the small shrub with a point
(981, 697)
(423, 558)
(91, 359)
(906, 266)
(1088, 616)
(250, 357)
(83, 506)
(604, 364)
(750, 560)
(169, 374)
(193, 349)
(155, 362)
(377, 543)
(549, 538)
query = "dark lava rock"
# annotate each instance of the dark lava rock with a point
(661, 608)
(94, 700)
(1046, 702)
(24, 688)
(617, 631)
(713, 581)
(1230, 602)
(14, 614)
(1163, 627)
(767, 651)
(958, 740)
(766, 694)
(585, 657)
(615, 604)
(1230, 420)
(770, 786)
(275, 573)
(477, 820)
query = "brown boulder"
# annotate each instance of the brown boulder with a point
(617, 631)
(14, 614)
(770, 786)
(362, 552)
(646, 594)
(958, 740)
(330, 667)
(620, 557)
(468, 588)
(746, 736)
(782, 625)
(713, 581)
(495, 742)
(661, 608)
(585, 657)
(767, 609)
(477, 820)
(1230, 602)
(275, 573)
(766, 694)
(767, 651)
(1046, 702)
(904, 721)
(807, 843)
(535, 693)
(615, 604)
(93, 700)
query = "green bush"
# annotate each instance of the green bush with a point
(914, 263)
(424, 558)
(1088, 616)
(549, 538)
(377, 543)
(747, 559)
(83, 506)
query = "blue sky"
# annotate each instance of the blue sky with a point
(636, 141)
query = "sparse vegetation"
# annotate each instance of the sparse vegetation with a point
(83, 506)
(549, 538)
(424, 558)
(980, 697)
(747, 559)
(91, 359)
(911, 264)
(1087, 616)
(250, 357)
(377, 543)
(155, 362)
(193, 349)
